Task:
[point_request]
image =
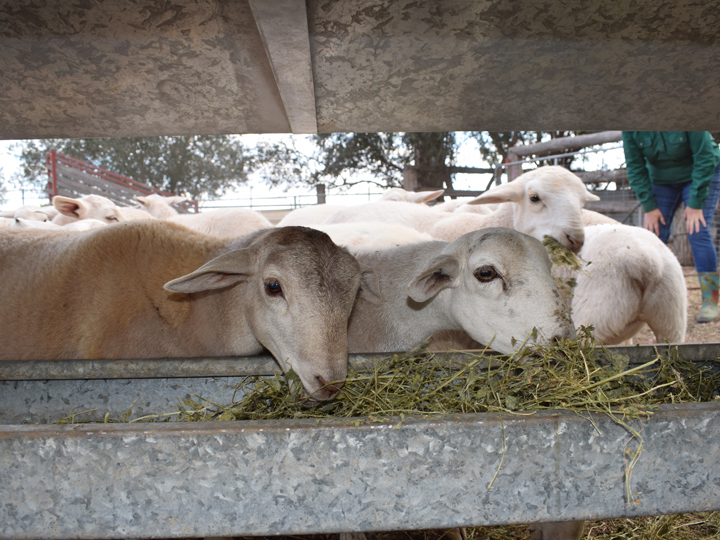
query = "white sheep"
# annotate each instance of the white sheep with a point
(314, 215)
(494, 284)
(81, 225)
(545, 201)
(618, 312)
(372, 234)
(417, 197)
(130, 212)
(31, 212)
(85, 207)
(632, 279)
(223, 222)
(309, 215)
(415, 216)
(158, 206)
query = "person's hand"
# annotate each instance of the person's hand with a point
(693, 218)
(653, 218)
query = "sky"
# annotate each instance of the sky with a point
(262, 196)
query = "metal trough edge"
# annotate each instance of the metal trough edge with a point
(296, 477)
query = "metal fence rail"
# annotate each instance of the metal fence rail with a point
(237, 478)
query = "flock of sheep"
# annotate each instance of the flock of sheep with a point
(631, 278)
(87, 279)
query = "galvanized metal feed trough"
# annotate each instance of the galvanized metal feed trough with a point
(281, 477)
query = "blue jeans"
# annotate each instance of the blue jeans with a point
(668, 197)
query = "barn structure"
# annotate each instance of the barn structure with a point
(111, 68)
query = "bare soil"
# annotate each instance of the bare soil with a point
(696, 332)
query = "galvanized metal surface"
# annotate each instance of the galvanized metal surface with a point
(265, 365)
(111, 68)
(216, 366)
(88, 390)
(260, 478)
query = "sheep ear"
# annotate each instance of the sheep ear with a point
(176, 199)
(369, 286)
(443, 272)
(142, 200)
(70, 207)
(222, 271)
(590, 196)
(511, 192)
(425, 196)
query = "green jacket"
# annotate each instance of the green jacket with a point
(670, 157)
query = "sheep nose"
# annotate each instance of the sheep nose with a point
(567, 333)
(327, 390)
(575, 244)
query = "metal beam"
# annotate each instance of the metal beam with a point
(296, 477)
(284, 31)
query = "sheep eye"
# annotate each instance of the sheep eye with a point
(111, 218)
(485, 274)
(273, 288)
(534, 198)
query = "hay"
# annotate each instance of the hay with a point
(565, 265)
(569, 375)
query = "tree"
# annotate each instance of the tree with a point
(186, 165)
(347, 159)
(495, 145)
(386, 159)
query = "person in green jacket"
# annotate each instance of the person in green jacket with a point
(666, 168)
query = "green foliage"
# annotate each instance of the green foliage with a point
(346, 159)
(193, 165)
(494, 145)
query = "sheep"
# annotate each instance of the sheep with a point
(314, 215)
(494, 284)
(6, 222)
(85, 207)
(372, 234)
(31, 212)
(224, 222)
(417, 197)
(415, 216)
(158, 206)
(130, 212)
(590, 217)
(151, 289)
(546, 201)
(309, 215)
(632, 278)
(81, 225)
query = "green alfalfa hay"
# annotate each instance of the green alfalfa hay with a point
(565, 265)
(571, 375)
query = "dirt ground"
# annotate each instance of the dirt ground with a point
(696, 332)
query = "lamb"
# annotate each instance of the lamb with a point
(407, 214)
(633, 279)
(131, 212)
(314, 215)
(372, 234)
(224, 222)
(85, 207)
(494, 284)
(31, 212)
(160, 207)
(616, 315)
(149, 289)
(309, 215)
(546, 201)
(80, 225)
(417, 197)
